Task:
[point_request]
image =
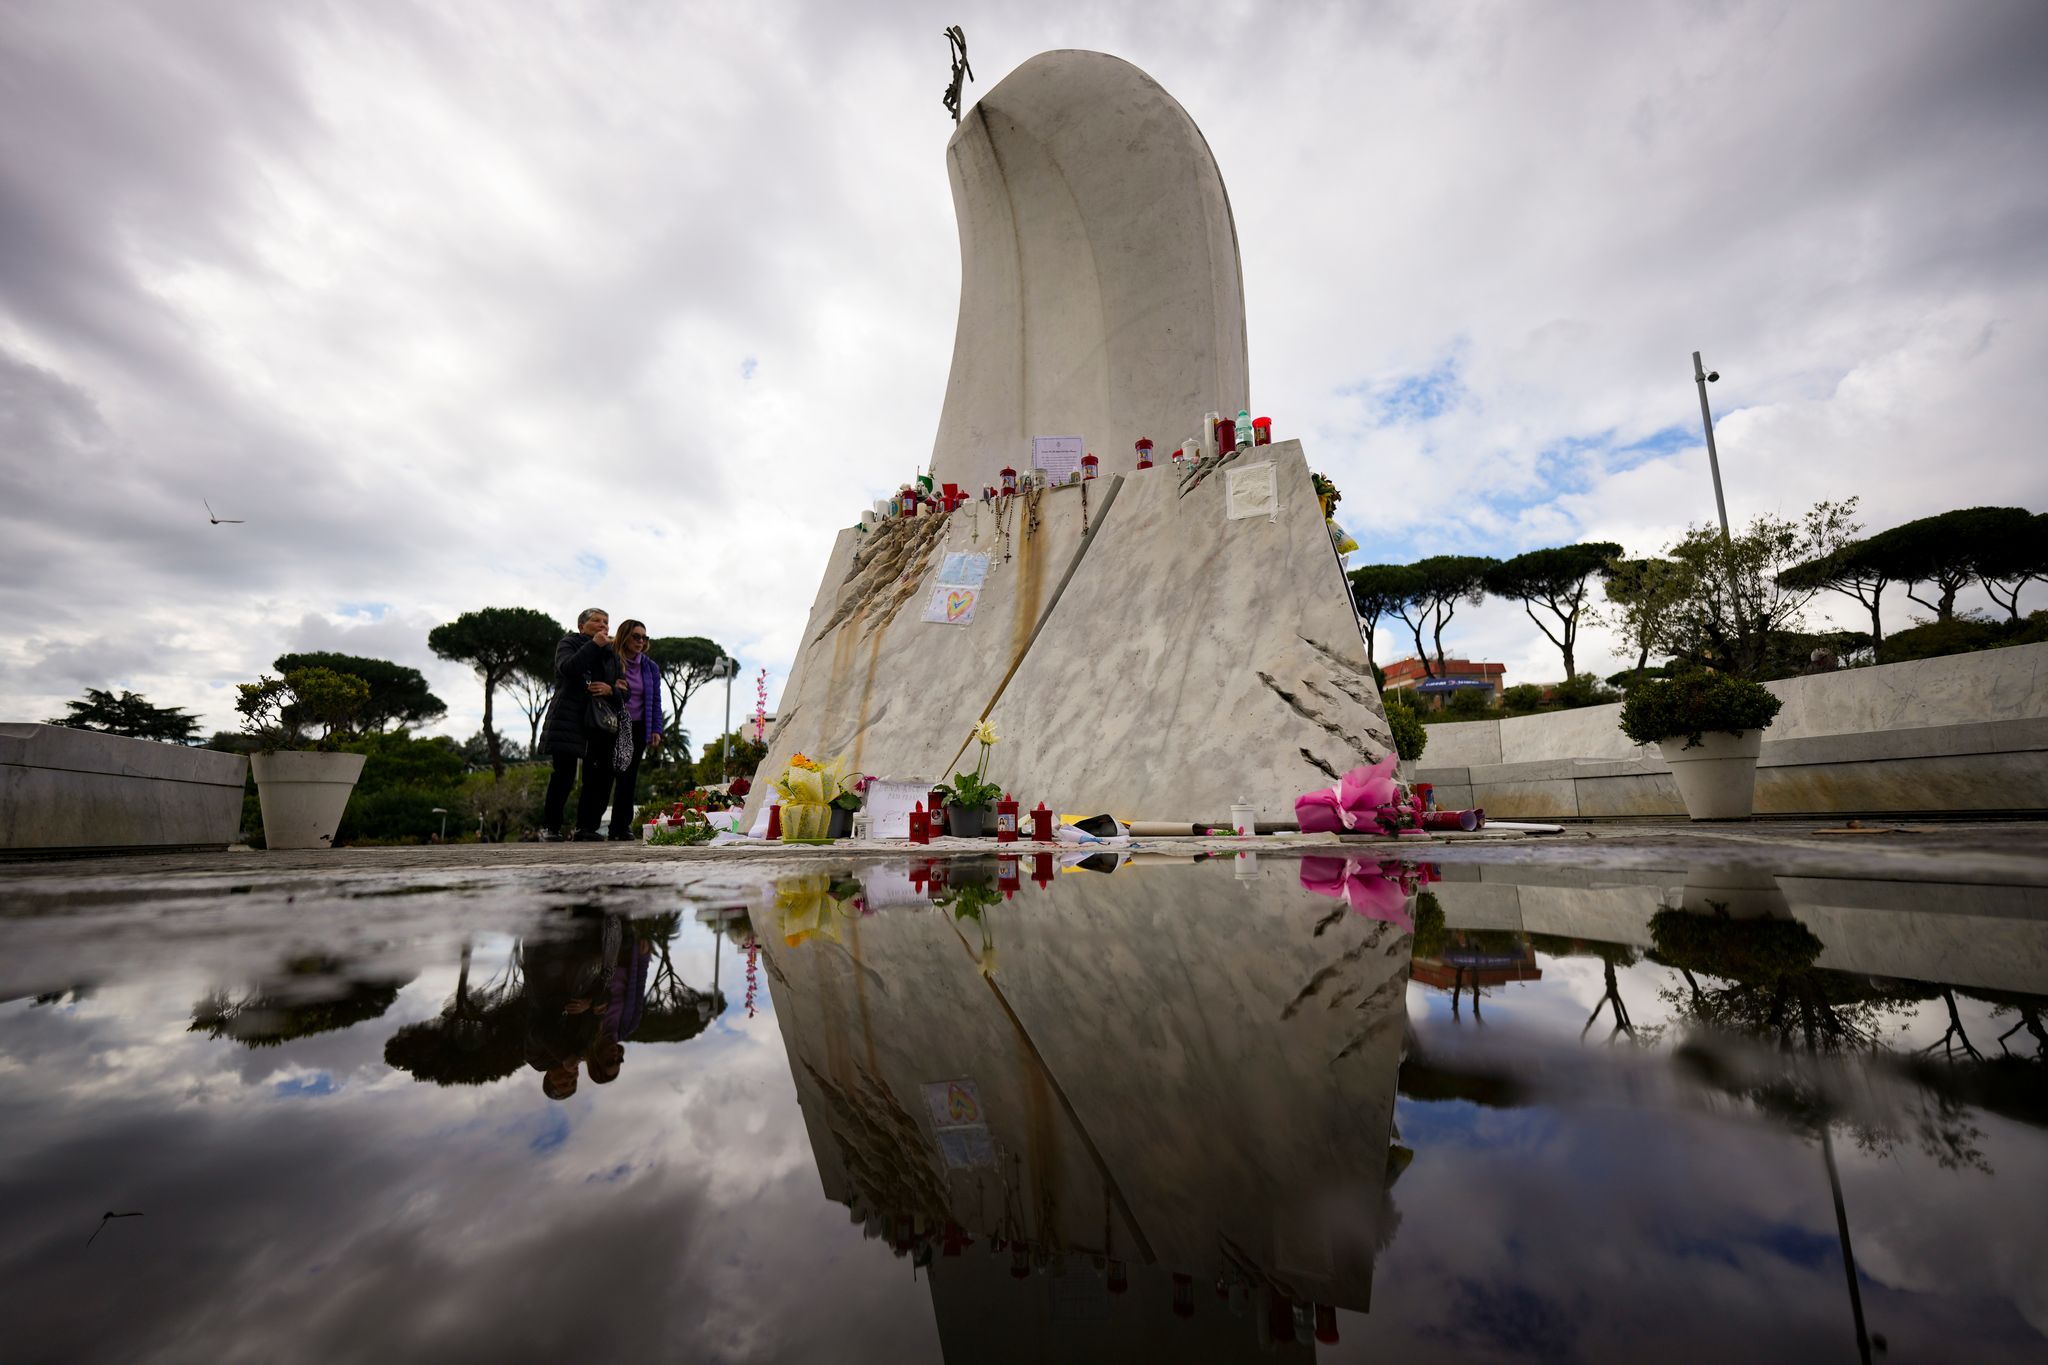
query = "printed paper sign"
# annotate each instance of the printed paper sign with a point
(1058, 456)
(1251, 490)
(960, 569)
(889, 806)
(951, 606)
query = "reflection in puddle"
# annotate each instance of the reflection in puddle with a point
(1096, 1107)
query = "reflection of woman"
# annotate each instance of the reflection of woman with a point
(623, 1000)
(642, 680)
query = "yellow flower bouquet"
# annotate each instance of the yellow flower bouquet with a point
(807, 789)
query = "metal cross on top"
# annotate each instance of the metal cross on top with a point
(956, 38)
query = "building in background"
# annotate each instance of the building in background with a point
(1452, 676)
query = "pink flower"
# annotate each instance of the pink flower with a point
(1362, 886)
(1352, 804)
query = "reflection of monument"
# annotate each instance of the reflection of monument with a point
(1146, 1098)
(1147, 644)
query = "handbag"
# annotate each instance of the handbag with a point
(605, 715)
(622, 747)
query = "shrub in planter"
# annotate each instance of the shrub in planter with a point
(1710, 727)
(1410, 739)
(1692, 704)
(1753, 951)
(301, 781)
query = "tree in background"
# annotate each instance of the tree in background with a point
(1854, 570)
(532, 691)
(129, 714)
(1441, 583)
(2014, 555)
(497, 642)
(476, 750)
(1380, 591)
(687, 663)
(1643, 592)
(747, 755)
(398, 695)
(1555, 580)
(1944, 550)
(1731, 594)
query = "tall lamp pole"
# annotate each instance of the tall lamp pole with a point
(1703, 378)
(730, 667)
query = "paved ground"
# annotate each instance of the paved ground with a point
(2006, 851)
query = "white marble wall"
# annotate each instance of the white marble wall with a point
(78, 789)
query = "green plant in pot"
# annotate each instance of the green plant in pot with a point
(1410, 736)
(852, 793)
(971, 796)
(1710, 728)
(303, 781)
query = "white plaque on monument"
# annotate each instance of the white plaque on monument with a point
(1058, 456)
(1251, 490)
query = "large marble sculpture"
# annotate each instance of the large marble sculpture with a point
(1099, 284)
(1140, 652)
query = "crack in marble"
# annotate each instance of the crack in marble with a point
(1325, 768)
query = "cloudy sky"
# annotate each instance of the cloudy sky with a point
(635, 304)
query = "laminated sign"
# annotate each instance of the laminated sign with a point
(958, 1124)
(963, 570)
(1251, 490)
(951, 606)
(1058, 456)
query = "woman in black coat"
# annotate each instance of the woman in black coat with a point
(585, 668)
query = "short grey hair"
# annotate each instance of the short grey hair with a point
(583, 617)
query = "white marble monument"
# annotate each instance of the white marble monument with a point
(1140, 649)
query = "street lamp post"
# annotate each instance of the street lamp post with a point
(442, 811)
(1703, 378)
(731, 668)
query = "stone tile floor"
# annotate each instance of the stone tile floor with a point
(2010, 851)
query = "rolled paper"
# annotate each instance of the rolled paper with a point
(1466, 820)
(1209, 421)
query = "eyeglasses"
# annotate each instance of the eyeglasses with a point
(639, 635)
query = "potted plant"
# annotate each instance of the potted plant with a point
(970, 796)
(1710, 728)
(845, 804)
(1410, 738)
(302, 782)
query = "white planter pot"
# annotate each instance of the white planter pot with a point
(303, 796)
(1716, 777)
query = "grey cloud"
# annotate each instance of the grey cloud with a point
(423, 294)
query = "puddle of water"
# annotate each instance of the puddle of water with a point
(995, 1109)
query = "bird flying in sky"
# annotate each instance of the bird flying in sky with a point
(218, 521)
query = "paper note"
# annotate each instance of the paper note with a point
(960, 569)
(1058, 456)
(951, 606)
(889, 806)
(1251, 490)
(952, 1102)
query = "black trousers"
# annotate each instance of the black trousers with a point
(623, 784)
(596, 761)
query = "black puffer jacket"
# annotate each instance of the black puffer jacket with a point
(579, 661)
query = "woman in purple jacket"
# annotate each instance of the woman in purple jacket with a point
(643, 708)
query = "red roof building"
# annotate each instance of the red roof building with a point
(1453, 675)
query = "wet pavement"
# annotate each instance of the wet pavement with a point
(1643, 1093)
